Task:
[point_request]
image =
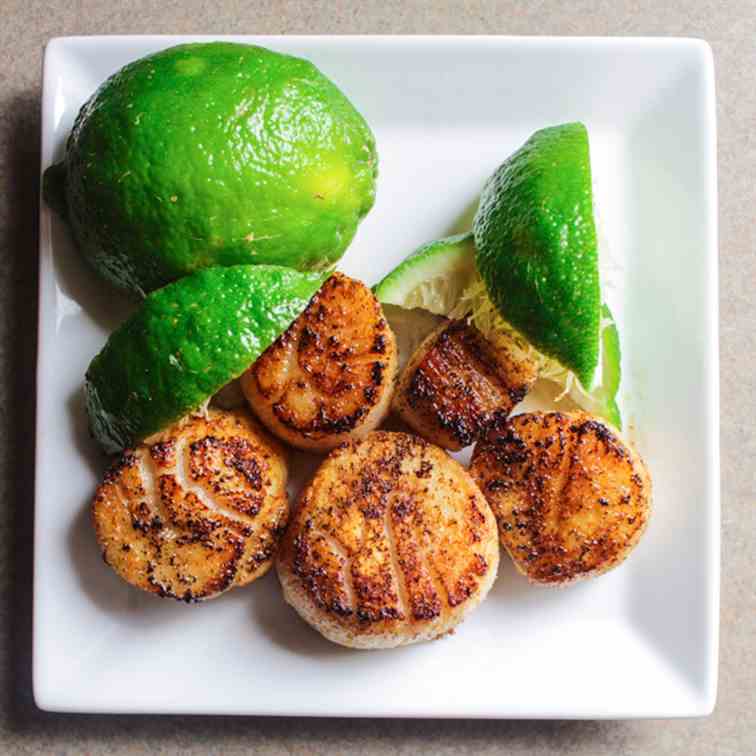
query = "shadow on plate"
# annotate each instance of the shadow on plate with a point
(103, 586)
(510, 584)
(282, 625)
(302, 467)
(463, 223)
(107, 306)
(97, 461)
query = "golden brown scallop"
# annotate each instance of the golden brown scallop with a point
(457, 384)
(331, 375)
(571, 499)
(195, 510)
(392, 543)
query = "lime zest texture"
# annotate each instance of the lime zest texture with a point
(186, 341)
(476, 305)
(214, 154)
(536, 246)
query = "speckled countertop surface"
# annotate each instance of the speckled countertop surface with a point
(25, 25)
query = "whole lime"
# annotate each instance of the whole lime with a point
(214, 154)
(186, 341)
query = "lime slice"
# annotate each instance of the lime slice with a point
(433, 277)
(536, 247)
(611, 370)
(186, 341)
(602, 400)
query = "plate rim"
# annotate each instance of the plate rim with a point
(704, 704)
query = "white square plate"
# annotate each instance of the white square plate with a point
(638, 642)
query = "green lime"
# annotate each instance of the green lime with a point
(537, 250)
(433, 277)
(439, 278)
(611, 354)
(214, 154)
(611, 370)
(186, 341)
(601, 400)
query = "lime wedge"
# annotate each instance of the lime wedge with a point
(433, 277)
(611, 370)
(602, 400)
(536, 247)
(442, 283)
(186, 341)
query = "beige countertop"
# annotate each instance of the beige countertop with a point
(730, 28)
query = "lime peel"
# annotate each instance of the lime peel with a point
(188, 340)
(214, 154)
(480, 311)
(537, 249)
(433, 277)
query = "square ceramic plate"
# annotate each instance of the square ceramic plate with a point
(638, 642)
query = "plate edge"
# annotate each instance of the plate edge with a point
(53, 48)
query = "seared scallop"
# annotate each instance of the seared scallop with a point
(331, 375)
(457, 384)
(392, 543)
(197, 509)
(571, 499)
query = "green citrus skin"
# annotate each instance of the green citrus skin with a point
(186, 341)
(611, 369)
(536, 246)
(214, 154)
(432, 277)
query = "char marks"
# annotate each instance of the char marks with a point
(196, 511)
(330, 375)
(457, 384)
(392, 512)
(571, 498)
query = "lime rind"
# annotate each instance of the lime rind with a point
(433, 277)
(214, 154)
(611, 367)
(187, 341)
(601, 399)
(537, 248)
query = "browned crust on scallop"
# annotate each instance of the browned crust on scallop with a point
(571, 499)
(457, 384)
(330, 376)
(392, 543)
(197, 510)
